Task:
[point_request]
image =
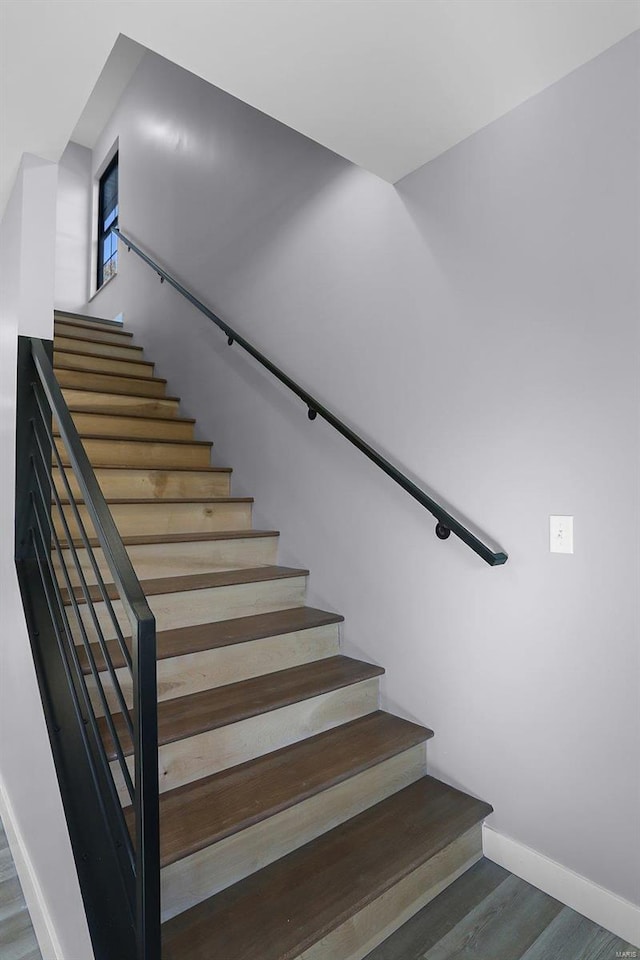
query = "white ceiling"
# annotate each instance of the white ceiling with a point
(389, 84)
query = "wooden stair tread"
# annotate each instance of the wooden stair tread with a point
(151, 538)
(104, 343)
(165, 500)
(132, 396)
(288, 906)
(121, 439)
(99, 356)
(181, 641)
(131, 416)
(205, 811)
(119, 466)
(210, 709)
(84, 320)
(116, 376)
(192, 581)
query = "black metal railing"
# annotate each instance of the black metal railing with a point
(446, 522)
(102, 718)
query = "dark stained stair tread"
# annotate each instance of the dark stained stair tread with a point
(164, 500)
(120, 439)
(205, 811)
(109, 373)
(220, 706)
(131, 416)
(203, 469)
(192, 581)
(152, 538)
(98, 356)
(82, 320)
(224, 633)
(285, 908)
(105, 343)
(132, 396)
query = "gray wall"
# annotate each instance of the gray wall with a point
(479, 324)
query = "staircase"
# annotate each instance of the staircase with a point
(297, 819)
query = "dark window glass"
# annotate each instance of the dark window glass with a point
(108, 218)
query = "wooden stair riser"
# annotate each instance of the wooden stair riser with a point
(151, 560)
(80, 361)
(360, 934)
(133, 519)
(206, 753)
(122, 483)
(200, 606)
(78, 379)
(120, 403)
(207, 669)
(93, 332)
(201, 875)
(139, 427)
(116, 351)
(104, 451)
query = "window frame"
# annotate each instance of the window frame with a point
(102, 233)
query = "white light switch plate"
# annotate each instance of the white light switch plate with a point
(561, 534)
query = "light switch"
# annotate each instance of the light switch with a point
(561, 534)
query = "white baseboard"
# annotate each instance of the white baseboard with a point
(598, 904)
(40, 917)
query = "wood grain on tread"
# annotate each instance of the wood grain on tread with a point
(80, 339)
(136, 427)
(152, 440)
(138, 452)
(188, 716)
(234, 799)
(75, 379)
(210, 636)
(280, 911)
(84, 320)
(96, 363)
(193, 581)
(178, 537)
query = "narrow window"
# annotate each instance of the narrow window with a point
(108, 218)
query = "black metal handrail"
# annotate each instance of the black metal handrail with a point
(446, 522)
(142, 849)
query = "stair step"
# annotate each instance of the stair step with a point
(203, 733)
(98, 401)
(184, 641)
(85, 320)
(146, 484)
(78, 379)
(131, 425)
(191, 659)
(178, 537)
(201, 598)
(340, 895)
(192, 553)
(210, 709)
(136, 452)
(101, 334)
(168, 516)
(217, 830)
(196, 581)
(77, 360)
(234, 799)
(78, 343)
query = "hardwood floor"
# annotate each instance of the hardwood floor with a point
(17, 939)
(489, 914)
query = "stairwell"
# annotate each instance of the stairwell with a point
(297, 819)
